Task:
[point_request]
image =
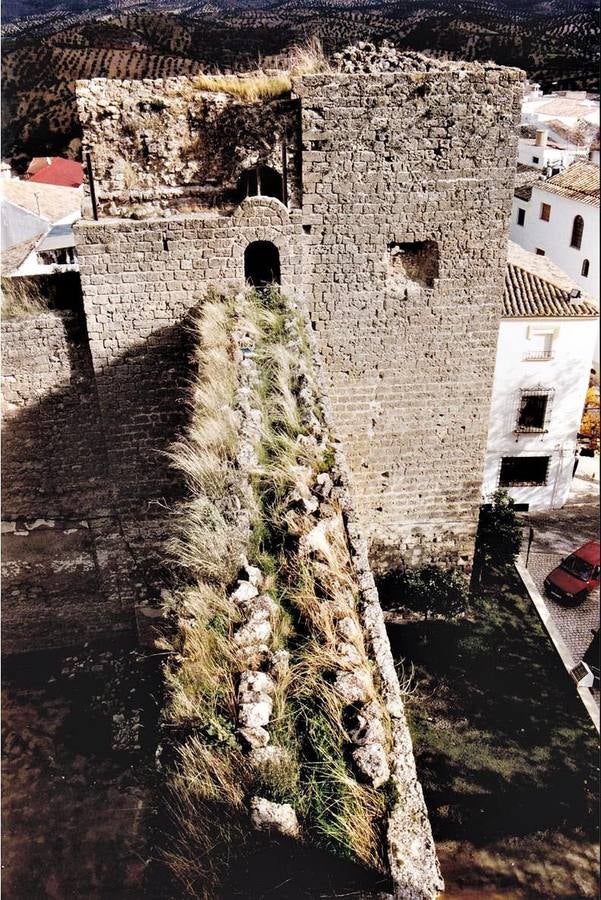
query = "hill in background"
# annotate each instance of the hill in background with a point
(46, 47)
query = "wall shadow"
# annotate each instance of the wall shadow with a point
(87, 490)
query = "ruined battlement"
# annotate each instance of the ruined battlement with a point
(387, 216)
(391, 233)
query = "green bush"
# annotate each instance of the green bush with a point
(499, 534)
(431, 591)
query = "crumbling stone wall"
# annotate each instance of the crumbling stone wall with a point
(163, 143)
(424, 155)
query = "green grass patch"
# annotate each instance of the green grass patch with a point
(503, 745)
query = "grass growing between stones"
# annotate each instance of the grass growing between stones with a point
(22, 298)
(209, 772)
(340, 814)
(305, 59)
(223, 519)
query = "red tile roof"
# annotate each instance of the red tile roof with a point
(580, 181)
(64, 172)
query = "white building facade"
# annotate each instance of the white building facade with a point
(544, 353)
(550, 156)
(559, 218)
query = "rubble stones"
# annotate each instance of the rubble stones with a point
(349, 654)
(256, 681)
(368, 727)
(348, 628)
(354, 687)
(256, 631)
(261, 608)
(254, 574)
(269, 758)
(268, 816)
(280, 663)
(245, 591)
(324, 484)
(255, 715)
(372, 764)
(255, 737)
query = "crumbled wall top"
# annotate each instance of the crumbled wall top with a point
(166, 135)
(372, 60)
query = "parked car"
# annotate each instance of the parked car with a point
(575, 576)
(591, 657)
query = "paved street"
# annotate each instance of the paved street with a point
(556, 534)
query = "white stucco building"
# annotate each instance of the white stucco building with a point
(37, 227)
(544, 354)
(567, 108)
(549, 155)
(559, 218)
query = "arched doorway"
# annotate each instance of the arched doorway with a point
(261, 181)
(262, 263)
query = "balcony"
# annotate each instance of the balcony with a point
(537, 355)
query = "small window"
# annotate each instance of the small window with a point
(521, 216)
(523, 471)
(555, 171)
(545, 212)
(585, 268)
(540, 252)
(532, 412)
(261, 181)
(540, 346)
(535, 159)
(577, 231)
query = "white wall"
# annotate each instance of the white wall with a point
(547, 156)
(554, 236)
(568, 374)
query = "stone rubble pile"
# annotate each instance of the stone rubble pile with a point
(315, 521)
(372, 59)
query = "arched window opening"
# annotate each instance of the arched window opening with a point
(585, 268)
(261, 181)
(262, 264)
(577, 230)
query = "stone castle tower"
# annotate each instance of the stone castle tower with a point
(381, 202)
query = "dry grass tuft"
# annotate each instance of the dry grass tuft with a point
(211, 777)
(248, 88)
(22, 298)
(208, 808)
(309, 58)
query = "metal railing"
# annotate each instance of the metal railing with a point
(538, 355)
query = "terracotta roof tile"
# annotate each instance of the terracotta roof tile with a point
(580, 181)
(536, 287)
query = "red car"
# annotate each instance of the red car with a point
(573, 578)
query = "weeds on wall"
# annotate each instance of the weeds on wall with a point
(212, 781)
(307, 58)
(209, 773)
(28, 296)
(339, 813)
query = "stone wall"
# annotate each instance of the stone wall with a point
(73, 565)
(165, 142)
(140, 282)
(419, 162)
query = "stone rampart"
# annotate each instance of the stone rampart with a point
(398, 253)
(140, 280)
(67, 573)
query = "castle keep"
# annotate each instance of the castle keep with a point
(380, 202)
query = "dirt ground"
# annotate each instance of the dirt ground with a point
(75, 787)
